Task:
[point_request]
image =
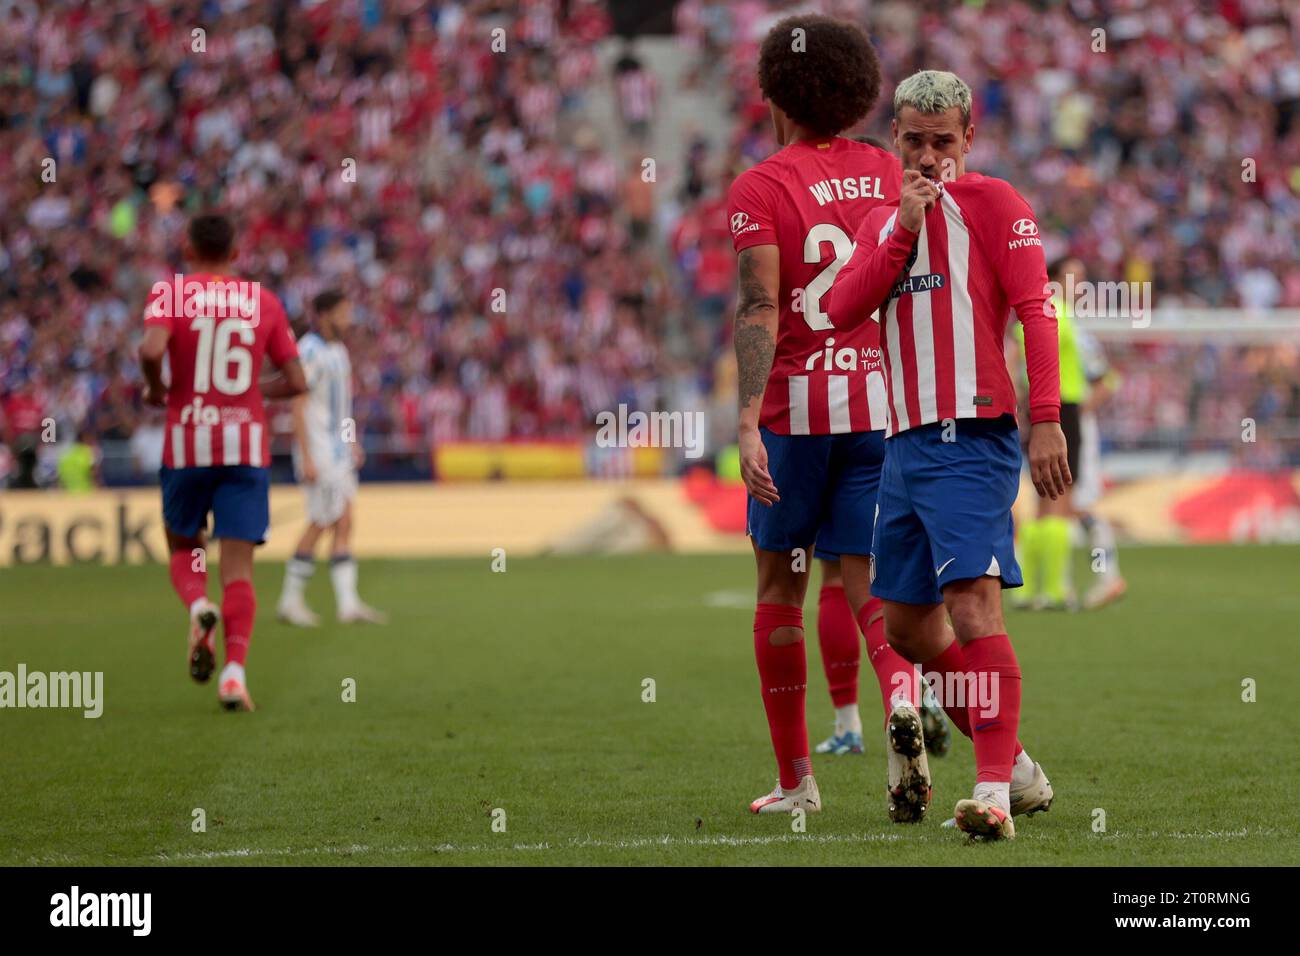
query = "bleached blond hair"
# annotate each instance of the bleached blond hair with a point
(934, 91)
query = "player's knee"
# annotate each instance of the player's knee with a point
(906, 645)
(773, 594)
(975, 614)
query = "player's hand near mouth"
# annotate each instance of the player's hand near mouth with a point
(917, 198)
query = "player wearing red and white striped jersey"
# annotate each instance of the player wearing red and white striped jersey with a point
(971, 263)
(941, 274)
(216, 330)
(215, 414)
(812, 406)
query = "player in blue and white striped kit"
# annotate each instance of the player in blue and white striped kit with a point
(327, 453)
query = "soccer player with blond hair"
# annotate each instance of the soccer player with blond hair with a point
(941, 273)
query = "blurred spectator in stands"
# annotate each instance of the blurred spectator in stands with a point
(23, 413)
(637, 91)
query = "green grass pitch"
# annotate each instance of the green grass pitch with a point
(522, 691)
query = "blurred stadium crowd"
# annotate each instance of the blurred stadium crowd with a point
(477, 172)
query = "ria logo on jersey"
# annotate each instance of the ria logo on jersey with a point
(847, 359)
(196, 413)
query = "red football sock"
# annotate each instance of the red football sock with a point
(995, 712)
(952, 661)
(894, 673)
(783, 676)
(838, 636)
(190, 585)
(238, 607)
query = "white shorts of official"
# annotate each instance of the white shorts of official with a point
(329, 494)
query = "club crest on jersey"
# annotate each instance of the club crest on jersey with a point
(847, 359)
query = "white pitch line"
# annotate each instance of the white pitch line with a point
(584, 843)
(360, 849)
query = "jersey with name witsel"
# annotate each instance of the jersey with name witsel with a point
(215, 413)
(808, 200)
(945, 296)
(328, 411)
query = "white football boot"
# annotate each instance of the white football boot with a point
(361, 613)
(232, 688)
(804, 797)
(981, 818)
(1034, 796)
(296, 613)
(909, 788)
(1028, 798)
(1106, 591)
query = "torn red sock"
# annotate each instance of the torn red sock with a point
(783, 677)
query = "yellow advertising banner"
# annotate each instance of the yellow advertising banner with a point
(467, 519)
(391, 520)
(539, 461)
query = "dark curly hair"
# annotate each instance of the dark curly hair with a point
(826, 82)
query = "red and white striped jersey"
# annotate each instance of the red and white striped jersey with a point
(945, 296)
(221, 328)
(637, 91)
(808, 200)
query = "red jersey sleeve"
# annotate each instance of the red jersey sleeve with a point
(281, 347)
(157, 308)
(862, 286)
(1011, 237)
(750, 213)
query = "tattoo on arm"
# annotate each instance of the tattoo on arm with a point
(755, 346)
(754, 351)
